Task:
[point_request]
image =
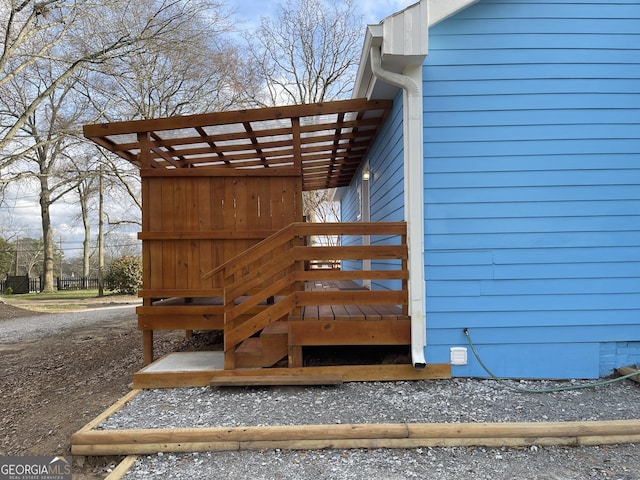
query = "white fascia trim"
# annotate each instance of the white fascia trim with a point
(440, 10)
(364, 78)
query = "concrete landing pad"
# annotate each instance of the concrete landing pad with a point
(187, 362)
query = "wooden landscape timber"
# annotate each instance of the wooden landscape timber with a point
(123, 467)
(345, 436)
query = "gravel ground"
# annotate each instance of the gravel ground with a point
(619, 462)
(452, 401)
(40, 325)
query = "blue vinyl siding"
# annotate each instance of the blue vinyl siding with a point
(386, 185)
(532, 186)
(386, 166)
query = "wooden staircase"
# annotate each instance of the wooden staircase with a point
(260, 333)
(266, 349)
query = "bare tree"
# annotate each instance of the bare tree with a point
(44, 145)
(86, 189)
(73, 35)
(197, 76)
(199, 70)
(48, 49)
(29, 253)
(309, 52)
(320, 207)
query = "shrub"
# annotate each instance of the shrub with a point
(125, 275)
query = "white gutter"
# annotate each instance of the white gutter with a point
(411, 84)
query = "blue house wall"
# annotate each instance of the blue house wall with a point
(386, 185)
(532, 186)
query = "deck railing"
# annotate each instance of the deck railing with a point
(265, 283)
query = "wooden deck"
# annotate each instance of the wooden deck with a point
(311, 327)
(270, 303)
(316, 326)
(345, 312)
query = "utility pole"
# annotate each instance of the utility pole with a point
(100, 235)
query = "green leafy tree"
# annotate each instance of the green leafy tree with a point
(125, 275)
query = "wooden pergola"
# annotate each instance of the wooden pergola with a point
(223, 239)
(323, 142)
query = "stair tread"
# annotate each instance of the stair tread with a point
(276, 328)
(251, 345)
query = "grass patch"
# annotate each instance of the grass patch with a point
(60, 295)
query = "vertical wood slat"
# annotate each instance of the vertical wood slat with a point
(193, 221)
(277, 203)
(229, 215)
(205, 248)
(264, 220)
(152, 221)
(181, 248)
(218, 221)
(245, 211)
(146, 227)
(297, 148)
(168, 225)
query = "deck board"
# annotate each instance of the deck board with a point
(346, 312)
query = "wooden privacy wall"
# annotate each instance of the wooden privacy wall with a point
(193, 223)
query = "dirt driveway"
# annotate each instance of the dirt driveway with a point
(53, 385)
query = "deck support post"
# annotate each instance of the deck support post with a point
(295, 356)
(230, 359)
(147, 346)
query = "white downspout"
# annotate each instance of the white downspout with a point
(411, 84)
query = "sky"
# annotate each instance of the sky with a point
(373, 11)
(24, 219)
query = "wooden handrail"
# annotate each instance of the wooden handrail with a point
(250, 251)
(308, 229)
(275, 265)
